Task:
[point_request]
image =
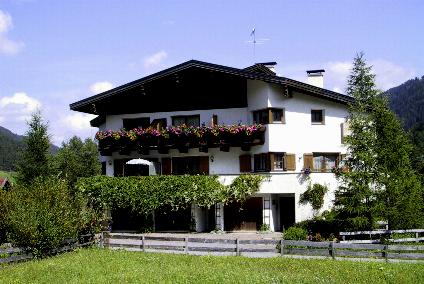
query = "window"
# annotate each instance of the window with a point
(262, 162)
(159, 123)
(269, 115)
(189, 120)
(131, 123)
(274, 162)
(317, 116)
(324, 162)
(190, 165)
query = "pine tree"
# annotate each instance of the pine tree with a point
(355, 203)
(380, 183)
(35, 157)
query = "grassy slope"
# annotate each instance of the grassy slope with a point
(107, 266)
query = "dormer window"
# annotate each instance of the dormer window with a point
(269, 115)
(189, 120)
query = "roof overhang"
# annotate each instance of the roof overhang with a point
(88, 105)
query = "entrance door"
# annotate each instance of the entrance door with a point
(287, 212)
(246, 216)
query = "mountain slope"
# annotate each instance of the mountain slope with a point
(10, 145)
(407, 101)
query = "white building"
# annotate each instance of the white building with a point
(304, 129)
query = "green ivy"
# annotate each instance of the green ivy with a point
(314, 195)
(147, 193)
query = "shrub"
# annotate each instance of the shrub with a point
(42, 215)
(296, 234)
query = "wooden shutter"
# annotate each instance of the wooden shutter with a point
(204, 165)
(245, 163)
(308, 161)
(166, 166)
(270, 161)
(290, 162)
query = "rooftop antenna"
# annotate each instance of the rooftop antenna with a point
(255, 42)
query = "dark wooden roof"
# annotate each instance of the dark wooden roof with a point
(232, 77)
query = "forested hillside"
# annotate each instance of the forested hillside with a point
(407, 101)
(10, 144)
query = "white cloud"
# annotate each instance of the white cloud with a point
(100, 87)
(16, 110)
(390, 74)
(78, 121)
(155, 59)
(7, 46)
(22, 100)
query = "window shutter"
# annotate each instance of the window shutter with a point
(290, 162)
(245, 163)
(270, 116)
(166, 166)
(214, 120)
(308, 161)
(270, 162)
(204, 165)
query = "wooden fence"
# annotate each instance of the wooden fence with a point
(14, 254)
(373, 237)
(260, 247)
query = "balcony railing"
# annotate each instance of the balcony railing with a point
(180, 137)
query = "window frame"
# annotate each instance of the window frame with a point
(270, 162)
(325, 155)
(185, 117)
(269, 113)
(322, 122)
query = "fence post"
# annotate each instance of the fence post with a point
(332, 250)
(282, 247)
(186, 245)
(237, 247)
(385, 253)
(101, 240)
(143, 243)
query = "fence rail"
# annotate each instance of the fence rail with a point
(351, 237)
(15, 254)
(260, 247)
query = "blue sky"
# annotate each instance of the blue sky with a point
(53, 53)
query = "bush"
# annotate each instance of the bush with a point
(296, 234)
(42, 215)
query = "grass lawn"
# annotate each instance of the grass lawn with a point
(107, 266)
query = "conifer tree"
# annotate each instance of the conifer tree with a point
(380, 183)
(35, 157)
(355, 202)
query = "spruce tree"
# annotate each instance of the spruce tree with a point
(355, 200)
(380, 183)
(35, 157)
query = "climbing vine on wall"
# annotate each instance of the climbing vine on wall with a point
(314, 195)
(147, 193)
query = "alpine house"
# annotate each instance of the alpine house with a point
(289, 130)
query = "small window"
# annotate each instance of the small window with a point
(324, 162)
(269, 115)
(317, 116)
(131, 123)
(189, 120)
(159, 123)
(273, 162)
